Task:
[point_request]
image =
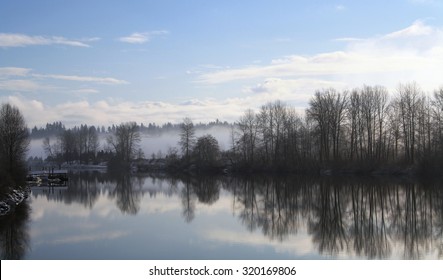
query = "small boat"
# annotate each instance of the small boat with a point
(55, 178)
(33, 180)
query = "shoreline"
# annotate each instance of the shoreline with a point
(12, 200)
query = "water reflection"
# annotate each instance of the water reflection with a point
(349, 217)
(14, 236)
(127, 192)
(366, 218)
(205, 189)
(188, 198)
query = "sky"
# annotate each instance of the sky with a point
(107, 61)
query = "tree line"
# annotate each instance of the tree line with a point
(361, 128)
(77, 144)
(358, 130)
(56, 128)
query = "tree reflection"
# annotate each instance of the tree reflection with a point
(366, 217)
(368, 228)
(267, 204)
(14, 236)
(188, 198)
(247, 196)
(127, 199)
(204, 188)
(328, 225)
(207, 189)
(363, 217)
(416, 223)
(83, 189)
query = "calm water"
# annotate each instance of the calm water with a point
(130, 217)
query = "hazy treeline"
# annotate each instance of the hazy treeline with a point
(56, 128)
(76, 144)
(360, 128)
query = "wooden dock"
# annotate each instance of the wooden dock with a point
(52, 178)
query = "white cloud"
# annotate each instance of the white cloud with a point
(86, 91)
(34, 111)
(413, 53)
(22, 40)
(418, 28)
(18, 79)
(135, 38)
(141, 37)
(106, 112)
(296, 91)
(19, 85)
(13, 71)
(99, 80)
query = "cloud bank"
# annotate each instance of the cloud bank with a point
(413, 53)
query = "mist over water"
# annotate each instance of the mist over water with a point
(36, 148)
(150, 143)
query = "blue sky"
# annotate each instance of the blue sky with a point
(102, 62)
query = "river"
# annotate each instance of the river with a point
(105, 216)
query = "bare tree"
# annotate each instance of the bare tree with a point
(14, 140)
(53, 150)
(248, 135)
(125, 141)
(408, 100)
(187, 137)
(366, 114)
(437, 115)
(206, 151)
(93, 141)
(327, 110)
(68, 145)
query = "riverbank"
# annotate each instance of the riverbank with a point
(423, 170)
(11, 199)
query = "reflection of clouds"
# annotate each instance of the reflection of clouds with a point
(222, 205)
(300, 245)
(56, 228)
(77, 231)
(37, 214)
(104, 207)
(89, 237)
(161, 203)
(305, 220)
(41, 209)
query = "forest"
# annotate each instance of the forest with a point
(363, 130)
